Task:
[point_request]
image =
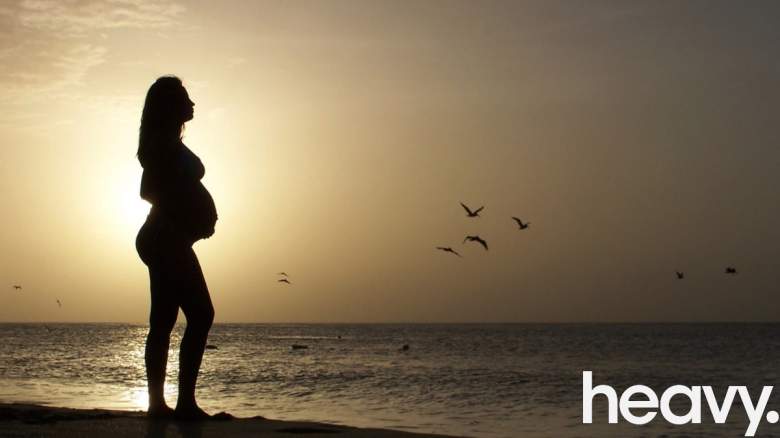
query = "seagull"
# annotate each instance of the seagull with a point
(520, 223)
(448, 249)
(730, 270)
(476, 239)
(59, 303)
(282, 273)
(470, 213)
(17, 287)
(680, 275)
(284, 280)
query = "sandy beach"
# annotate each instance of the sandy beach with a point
(25, 420)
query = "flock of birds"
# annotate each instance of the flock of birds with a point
(476, 238)
(475, 213)
(284, 278)
(469, 213)
(730, 270)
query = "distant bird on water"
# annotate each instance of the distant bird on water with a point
(470, 213)
(17, 287)
(448, 249)
(476, 239)
(731, 270)
(284, 280)
(520, 223)
(680, 275)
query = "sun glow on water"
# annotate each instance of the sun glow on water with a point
(138, 398)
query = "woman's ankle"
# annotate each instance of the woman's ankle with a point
(160, 411)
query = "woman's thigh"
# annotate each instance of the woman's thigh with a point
(165, 301)
(177, 281)
(195, 300)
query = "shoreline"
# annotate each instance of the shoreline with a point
(22, 420)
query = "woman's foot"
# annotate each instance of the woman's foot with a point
(194, 413)
(222, 416)
(190, 413)
(162, 411)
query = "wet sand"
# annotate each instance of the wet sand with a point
(24, 420)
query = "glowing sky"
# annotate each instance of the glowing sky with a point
(638, 138)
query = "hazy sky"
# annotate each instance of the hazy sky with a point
(638, 138)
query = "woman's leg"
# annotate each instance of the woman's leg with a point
(162, 317)
(196, 304)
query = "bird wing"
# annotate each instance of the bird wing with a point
(482, 242)
(466, 208)
(479, 209)
(519, 222)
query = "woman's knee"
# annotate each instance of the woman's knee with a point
(158, 335)
(208, 315)
(161, 322)
(200, 319)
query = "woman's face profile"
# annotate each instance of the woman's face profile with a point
(187, 106)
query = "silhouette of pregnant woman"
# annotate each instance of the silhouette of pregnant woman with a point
(182, 213)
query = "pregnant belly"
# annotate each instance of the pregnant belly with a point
(204, 211)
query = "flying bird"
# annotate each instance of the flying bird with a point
(520, 223)
(282, 273)
(284, 280)
(448, 249)
(59, 304)
(470, 213)
(17, 287)
(476, 239)
(680, 275)
(731, 270)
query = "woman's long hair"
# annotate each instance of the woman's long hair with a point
(161, 121)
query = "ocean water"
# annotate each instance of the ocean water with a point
(482, 380)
